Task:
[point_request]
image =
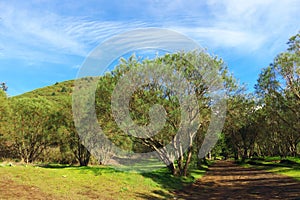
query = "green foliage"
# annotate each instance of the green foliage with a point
(149, 94)
(268, 122)
(40, 122)
(5, 113)
(279, 90)
(61, 91)
(34, 126)
(241, 126)
(67, 147)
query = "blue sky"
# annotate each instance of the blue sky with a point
(43, 42)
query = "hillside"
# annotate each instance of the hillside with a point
(52, 92)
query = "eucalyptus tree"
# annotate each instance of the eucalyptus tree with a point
(278, 87)
(157, 93)
(4, 109)
(4, 123)
(33, 127)
(241, 125)
(70, 140)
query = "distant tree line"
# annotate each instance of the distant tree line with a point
(267, 122)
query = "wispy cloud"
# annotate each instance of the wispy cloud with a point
(43, 40)
(48, 37)
(259, 22)
(217, 37)
(245, 26)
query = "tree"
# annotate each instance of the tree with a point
(278, 88)
(4, 110)
(34, 127)
(5, 113)
(241, 125)
(70, 140)
(160, 91)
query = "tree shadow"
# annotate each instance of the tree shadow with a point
(170, 182)
(96, 170)
(54, 166)
(270, 164)
(229, 181)
(157, 194)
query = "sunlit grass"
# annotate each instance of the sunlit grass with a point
(97, 182)
(84, 182)
(289, 166)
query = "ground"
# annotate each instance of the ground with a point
(60, 182)
(223, 180)
(226, 180)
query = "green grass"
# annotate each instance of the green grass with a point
(289, 166)
(170, 182)
(94, 182)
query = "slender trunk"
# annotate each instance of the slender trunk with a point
(84, 161)
(236, 155)
(172, 169)
(245, 155)
(293, 149)
(209, 155)
(180, 164)
(83, 155)
(188, 160)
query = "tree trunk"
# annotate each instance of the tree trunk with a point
(188, 160)
(245, 155)
(236, 155)
(85, 159)
(83, 156)
(180, 164)
(172, 169)
(209, 155)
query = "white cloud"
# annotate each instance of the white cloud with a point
(215, 37)
(260, 22)
(27, 35)
(243, 25)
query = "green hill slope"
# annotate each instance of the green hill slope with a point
(52, 92)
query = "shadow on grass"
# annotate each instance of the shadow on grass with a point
(96, 170)
(157, 194)
(161, 177)
(271, 164)
(170, 182)
(54, 166)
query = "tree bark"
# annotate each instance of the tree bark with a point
(188, 160)
(172, 169)
(180, 164)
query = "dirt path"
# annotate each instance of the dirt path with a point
(226, 180)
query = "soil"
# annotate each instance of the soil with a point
(226, 180)
(11, 190)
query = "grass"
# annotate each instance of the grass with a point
(96, 182)
(83, 182)
(289, 166)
